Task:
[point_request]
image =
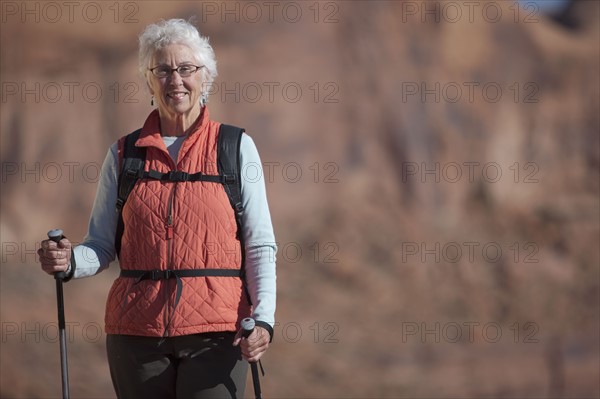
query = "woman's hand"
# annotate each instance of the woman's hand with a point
(55, 257)
(255, 345)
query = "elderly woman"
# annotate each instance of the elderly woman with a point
(172, 334)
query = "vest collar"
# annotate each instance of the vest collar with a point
(151, 137)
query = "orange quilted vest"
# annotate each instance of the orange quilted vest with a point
(178, 226)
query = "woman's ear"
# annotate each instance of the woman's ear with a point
(205, 86)
(149, 87)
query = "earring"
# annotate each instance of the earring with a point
(152, 101)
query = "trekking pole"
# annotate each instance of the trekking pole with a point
(56, 235)
(247, 327)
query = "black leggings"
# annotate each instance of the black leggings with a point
(188, 366)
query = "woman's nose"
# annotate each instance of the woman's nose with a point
(175, 78)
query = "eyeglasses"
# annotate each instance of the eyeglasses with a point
(184, 70)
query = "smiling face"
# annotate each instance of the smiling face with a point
(176, 97)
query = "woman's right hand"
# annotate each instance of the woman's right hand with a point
(55, 257)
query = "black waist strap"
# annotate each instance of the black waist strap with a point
(156, 275)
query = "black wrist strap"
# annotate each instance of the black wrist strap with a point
(267, 327)
(70, 275)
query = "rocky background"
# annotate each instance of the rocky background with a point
(432, 171)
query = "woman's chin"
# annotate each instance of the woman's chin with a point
(183, 107)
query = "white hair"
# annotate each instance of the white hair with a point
(178, 31)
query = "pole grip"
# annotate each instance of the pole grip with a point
(56, 235)
(247, 326)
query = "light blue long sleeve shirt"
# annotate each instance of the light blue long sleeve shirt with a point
(97, 250)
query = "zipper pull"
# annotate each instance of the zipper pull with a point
(169, 227)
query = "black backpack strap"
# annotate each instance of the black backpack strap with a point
(131, 170)
(228, 162)
(228, 159)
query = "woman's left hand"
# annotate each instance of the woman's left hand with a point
(255, 345)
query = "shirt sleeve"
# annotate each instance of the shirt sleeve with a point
(97, 250)
(257, 231)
